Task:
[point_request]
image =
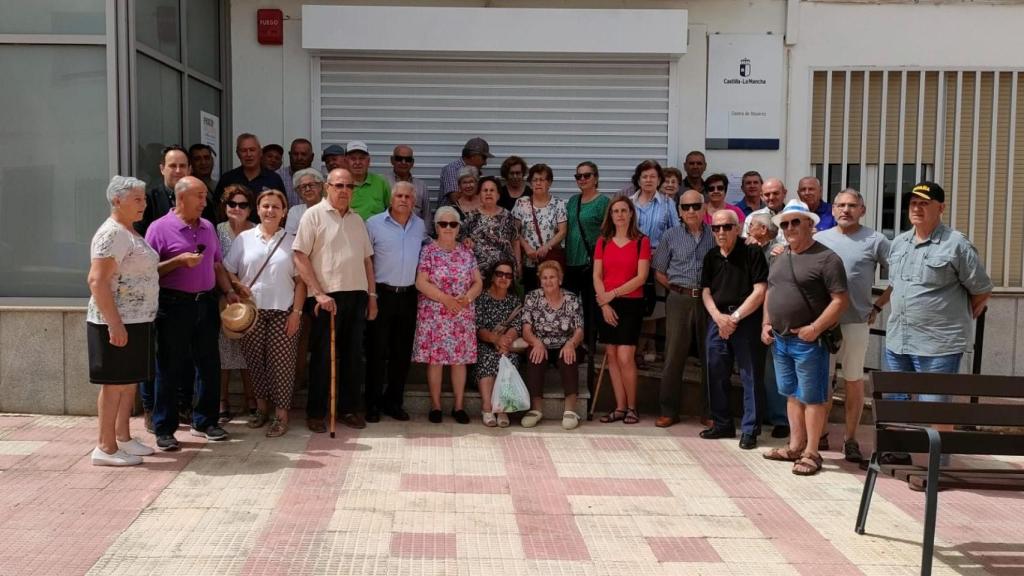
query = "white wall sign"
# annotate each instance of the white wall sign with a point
(745, 81)
(209, 134)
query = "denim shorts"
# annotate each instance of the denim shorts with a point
(801, 369)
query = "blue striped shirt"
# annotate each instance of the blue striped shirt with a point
(680, 256)
(656, 217)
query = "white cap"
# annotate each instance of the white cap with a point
(357, 146)
(796, 207)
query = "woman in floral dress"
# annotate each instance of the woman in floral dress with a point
(497, 328)
(492, 230)
(542, 224)
(448, 281)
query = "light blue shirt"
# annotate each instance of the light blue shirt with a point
(396, 249)
(657, 216)
(861, 251)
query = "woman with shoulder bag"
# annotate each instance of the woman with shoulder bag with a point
(585, 213)
(543, 224)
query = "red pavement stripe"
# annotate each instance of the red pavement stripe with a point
(423, 545)
(454, 483)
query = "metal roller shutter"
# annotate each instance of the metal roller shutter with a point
(557, 112)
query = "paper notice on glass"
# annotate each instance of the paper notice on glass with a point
(209, 134)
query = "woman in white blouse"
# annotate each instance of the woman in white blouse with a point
(270, 346)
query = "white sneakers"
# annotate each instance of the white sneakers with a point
(134, 447)
(532, 418)
(119, 458)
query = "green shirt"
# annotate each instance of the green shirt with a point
(591, 214)
(371, 197)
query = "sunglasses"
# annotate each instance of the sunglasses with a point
(342, 186)
(693, 207)
(583, 176)
(718, 227)
(447, 224)
(406, 159)
(233, 204)
(715, 188)
(505, 275)
(785, 224)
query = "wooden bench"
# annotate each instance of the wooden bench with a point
(903, 426)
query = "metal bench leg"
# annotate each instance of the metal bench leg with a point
(869, 488)
(931, 501)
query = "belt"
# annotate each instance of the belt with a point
(691, 292)
(395, 289)
(182, 295)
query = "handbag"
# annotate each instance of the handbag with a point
(583, 234)
(556, 253)
(230, 313)
(832, 338)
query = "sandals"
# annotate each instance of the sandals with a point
(277, 428)
(783, 454)
(503, 421)
(632, 416)
(613, 416)
(257, 420)
(807, 465)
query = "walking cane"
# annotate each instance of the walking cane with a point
(597, 387)
(334, 376)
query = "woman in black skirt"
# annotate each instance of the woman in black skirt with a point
(125, 289)
(622, 259)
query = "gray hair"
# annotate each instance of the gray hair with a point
(731, 216)
(404, 184)
(468, 171)
(447, 211)
(854, 193)
(766, 220)
(120, 186)
(298, 176)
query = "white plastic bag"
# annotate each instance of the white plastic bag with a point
(510, 393)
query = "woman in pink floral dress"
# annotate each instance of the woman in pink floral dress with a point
(448, 281)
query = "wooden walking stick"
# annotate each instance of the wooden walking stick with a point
(334, 377)
(597, 387)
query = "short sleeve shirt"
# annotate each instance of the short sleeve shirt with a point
(547, 219)
(862, 252)
(136, 283)
(578, 250)
(336, 246)
(620, 264)
(731, 278)
(554, 327)
(170, 236)
(275, 287)
(371, 197)
(680, 256)
(819, 273)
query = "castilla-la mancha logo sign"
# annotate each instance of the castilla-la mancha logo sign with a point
(745, 67)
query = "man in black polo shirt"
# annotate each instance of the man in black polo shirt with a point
(734, 280)
(251, 173)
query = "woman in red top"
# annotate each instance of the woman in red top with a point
(622, 259)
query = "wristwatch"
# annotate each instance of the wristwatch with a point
(736, 316)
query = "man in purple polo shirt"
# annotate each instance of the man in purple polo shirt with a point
(188, 319)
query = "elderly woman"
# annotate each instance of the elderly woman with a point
(309, 185)
(491, 231)
(542, 224)
(125, 288)
(466, 199)
(717, 186)
(278, 292)
(497, 326)
(513, 172)
(585, 212)
(448, 281)
(236, 204)
(670, 187)
(553, 327)
(622, 260)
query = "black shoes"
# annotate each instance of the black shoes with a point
(372, 415)
(460, 416)
(397, 413)
(715, 433)
(780, 431)
(748, 441)
(167, 443)
(851, 451)
(434, 416)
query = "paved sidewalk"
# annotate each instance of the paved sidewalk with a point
(416, 498)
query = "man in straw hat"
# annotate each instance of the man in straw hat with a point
(807, 294)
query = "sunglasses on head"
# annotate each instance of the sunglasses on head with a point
(726, 227)
(232, 204)
(794, 222)
(505, 275)
(583, 176)
(406, 159)
(694, 207)
(447, 224)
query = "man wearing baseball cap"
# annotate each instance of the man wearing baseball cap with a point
(334, 157)
(475, 153)
(372, 194)
(938, 287)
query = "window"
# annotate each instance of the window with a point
(53, 17)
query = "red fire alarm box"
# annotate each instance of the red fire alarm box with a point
(270, 26)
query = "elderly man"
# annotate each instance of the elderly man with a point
(733, 283)
(751, 185)
(807, 295)
(677, 264)
(402, 161)
(938, 287)
(272, 158)
(300, 157)
(202, 157)
(251, 173)
(808, 189)
(475, 153)
(188, 321)
(397, 236)
(773, 192)
(862, 250)
(334, 158)
(372, 194)
(333, 255)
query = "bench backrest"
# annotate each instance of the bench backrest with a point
(999, 405)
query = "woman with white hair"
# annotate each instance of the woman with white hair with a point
(448, 281)
(466, 198)
(125, 288)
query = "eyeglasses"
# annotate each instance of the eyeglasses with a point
(447, 224)
(725, 227)
(233, 204)
(309, 186)
(406, 159)
(716, 187)
(845, 206)
(583, 176)
(342, 186)
(694, 207)
(505, 275)
(794, 222)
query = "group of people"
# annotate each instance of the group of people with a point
(498, 268)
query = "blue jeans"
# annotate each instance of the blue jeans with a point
(774, 403)
(801, 369)
(948, 364)
(745, 348)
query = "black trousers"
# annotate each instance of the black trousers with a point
(389, 342)
(580, 281)
(349, 327)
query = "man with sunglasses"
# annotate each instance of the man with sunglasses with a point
(807, 295)
(733, 283)
(678, 263)
(402, 161)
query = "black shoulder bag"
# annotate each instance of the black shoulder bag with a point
(586, 245)
(832, 338)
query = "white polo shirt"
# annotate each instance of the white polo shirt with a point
(275, 288)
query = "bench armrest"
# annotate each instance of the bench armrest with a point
(934, 440)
